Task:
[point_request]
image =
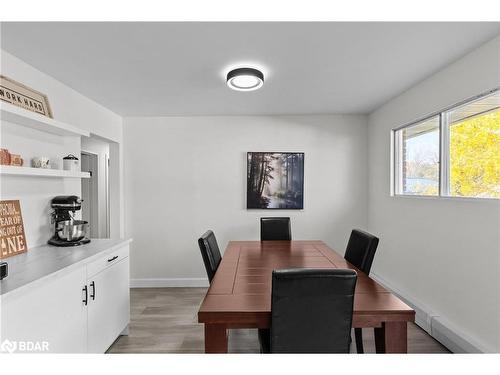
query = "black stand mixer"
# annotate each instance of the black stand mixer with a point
(67, 230)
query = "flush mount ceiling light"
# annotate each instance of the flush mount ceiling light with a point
(245, 79)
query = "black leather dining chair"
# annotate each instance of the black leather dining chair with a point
(275, 229)
(360, 252)
(311, 311)
(210, 253)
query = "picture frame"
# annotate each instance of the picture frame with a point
(20, 95)
(275, 180)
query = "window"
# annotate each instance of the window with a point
(453, 153)
(419, 158)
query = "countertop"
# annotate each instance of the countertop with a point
(45, 261)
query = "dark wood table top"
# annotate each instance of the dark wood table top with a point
(240, 293)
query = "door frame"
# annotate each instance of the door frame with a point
(94, 182)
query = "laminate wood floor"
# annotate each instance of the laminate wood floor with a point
(164, 320)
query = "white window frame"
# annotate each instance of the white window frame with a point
(444, 153)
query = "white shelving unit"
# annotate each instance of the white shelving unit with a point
(23, 117)
(10, 170)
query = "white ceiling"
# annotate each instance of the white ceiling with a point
(159, 69)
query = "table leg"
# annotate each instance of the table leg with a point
(379, 339)
(391, 338)
(215, 338)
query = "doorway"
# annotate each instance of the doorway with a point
(95, 190)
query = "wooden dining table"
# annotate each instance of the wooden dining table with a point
(240, 293)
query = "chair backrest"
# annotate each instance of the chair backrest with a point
(361, 250)
(210, 253)
(312, 310)
(275, 229)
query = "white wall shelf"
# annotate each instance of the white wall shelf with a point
(23, 117)
(40, 172)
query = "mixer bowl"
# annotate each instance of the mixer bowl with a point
(72, 230)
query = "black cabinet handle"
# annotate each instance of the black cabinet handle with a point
(85, 300)
(92, 295)
(112, 259)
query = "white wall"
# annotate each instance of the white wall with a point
(35, 193)
(68, 106)
(441, 254)
(185, 175)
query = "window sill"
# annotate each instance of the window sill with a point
(440, 197)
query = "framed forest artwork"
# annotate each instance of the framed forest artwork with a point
(275, 180)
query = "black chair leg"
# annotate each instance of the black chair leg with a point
(265, 340)
(358, 333)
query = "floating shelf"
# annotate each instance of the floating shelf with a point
(40, 172)
(20, 116)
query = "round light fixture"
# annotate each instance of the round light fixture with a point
(245, 79)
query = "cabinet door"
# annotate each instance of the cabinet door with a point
(49, 317)
(109, 306)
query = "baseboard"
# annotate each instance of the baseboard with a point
(456, 341)
(436, 325)
(169, 283)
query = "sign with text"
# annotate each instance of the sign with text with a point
(12, 238)
(22, 96)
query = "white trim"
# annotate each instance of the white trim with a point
(449, 108)
(436, 325)
(23, 117)
(396, 167)
(11, 170)
(449, 197)
(456, 341)
(169, 283)
(444, 155)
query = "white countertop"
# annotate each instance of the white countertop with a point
(43, 261)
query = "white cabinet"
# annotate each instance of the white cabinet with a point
(51, 316)
(108, 309)
(83, 310)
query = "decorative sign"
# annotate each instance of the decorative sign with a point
(22, 96)
(12, 239)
